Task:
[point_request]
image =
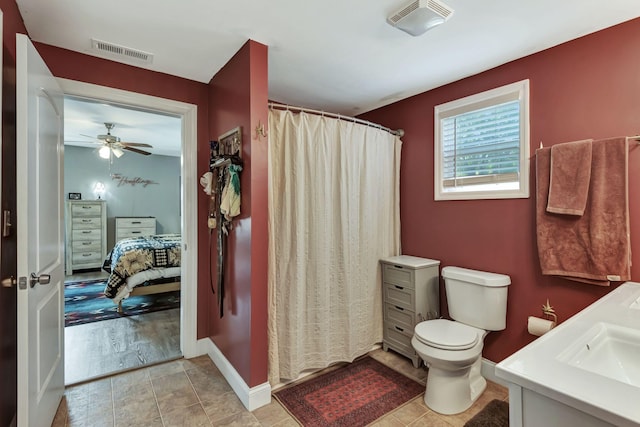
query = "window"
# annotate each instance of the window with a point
(481, 145)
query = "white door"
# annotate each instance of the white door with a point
(39, 170)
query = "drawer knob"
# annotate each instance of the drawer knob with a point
(398, 287)
(399, 266)
(399, 328)
(399, 308)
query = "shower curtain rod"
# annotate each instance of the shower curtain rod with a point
(398, 133)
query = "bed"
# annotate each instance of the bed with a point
(143, 266)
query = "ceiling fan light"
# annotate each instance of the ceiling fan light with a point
(104, 152)
(118, 152)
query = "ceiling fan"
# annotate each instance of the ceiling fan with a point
(112, 144)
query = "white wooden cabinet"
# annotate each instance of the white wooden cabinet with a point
(127, 227)
(86, 234)
(411, 294)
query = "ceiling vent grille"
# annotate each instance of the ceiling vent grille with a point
(404, 12)
(121, 51)
(419, 16)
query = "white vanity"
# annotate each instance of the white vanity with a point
(585, 372)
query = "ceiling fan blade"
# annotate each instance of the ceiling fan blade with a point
(135, 144)
(135, 150)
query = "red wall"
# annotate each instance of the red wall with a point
(238, 97)
(586, 88)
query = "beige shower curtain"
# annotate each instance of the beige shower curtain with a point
(334, 211)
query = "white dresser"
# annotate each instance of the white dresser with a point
(127, 227)
(411, 294)
(86, 234)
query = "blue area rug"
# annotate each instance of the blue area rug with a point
(84, 302)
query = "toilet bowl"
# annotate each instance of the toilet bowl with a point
(452, 349)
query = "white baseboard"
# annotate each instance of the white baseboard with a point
(488, 370)
(252, 398)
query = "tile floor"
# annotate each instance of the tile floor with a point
(192, 392)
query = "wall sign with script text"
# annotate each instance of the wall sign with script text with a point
(125, 180)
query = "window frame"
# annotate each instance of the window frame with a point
(515, 91)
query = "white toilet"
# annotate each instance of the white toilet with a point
(452, 350)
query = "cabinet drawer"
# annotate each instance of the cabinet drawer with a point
(400, 296)
(86, 223)
(86, 245)
(136, 223)
(134, 232)
(86, 257)
(93, 209)
(94, 234)
(398, 275)
(395, 315)
(399, 338)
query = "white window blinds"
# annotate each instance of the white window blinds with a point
(482, 146)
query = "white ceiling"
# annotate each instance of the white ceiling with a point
(334, 55)
(85, 119)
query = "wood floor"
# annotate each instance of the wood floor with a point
(94, 350)
(193, 392)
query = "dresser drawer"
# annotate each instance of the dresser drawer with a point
(125, 233)
(400, 296)
(86, 257)
(136, 223)
(89, 209)
(398, 274)
(396, 315)
(86, 245)
(85, 223)
(94, 234)
(399, 338)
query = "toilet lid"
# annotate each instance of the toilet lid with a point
(446, 334)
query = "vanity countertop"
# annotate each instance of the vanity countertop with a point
(570, 363)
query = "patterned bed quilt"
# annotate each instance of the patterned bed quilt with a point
(131, 256)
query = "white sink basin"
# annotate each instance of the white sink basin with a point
(586, 367)
(608, 350)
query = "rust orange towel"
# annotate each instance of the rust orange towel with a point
(595, 247)
(569, 177)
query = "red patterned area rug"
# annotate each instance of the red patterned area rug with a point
(353, 395)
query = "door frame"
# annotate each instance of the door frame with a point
(189, 183)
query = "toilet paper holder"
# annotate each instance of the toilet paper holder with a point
(549, 312)
(540, 326)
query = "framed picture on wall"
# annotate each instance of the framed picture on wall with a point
(75, 196)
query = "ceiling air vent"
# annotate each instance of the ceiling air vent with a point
(124, 52)
(419, 16)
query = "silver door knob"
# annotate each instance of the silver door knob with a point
(43, 279)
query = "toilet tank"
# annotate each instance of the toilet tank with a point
(477, 298)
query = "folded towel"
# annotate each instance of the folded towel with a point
(595, 247)
(569, 177)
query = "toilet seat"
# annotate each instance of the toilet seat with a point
(446, 334)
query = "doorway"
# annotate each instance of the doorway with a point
(187, 195)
